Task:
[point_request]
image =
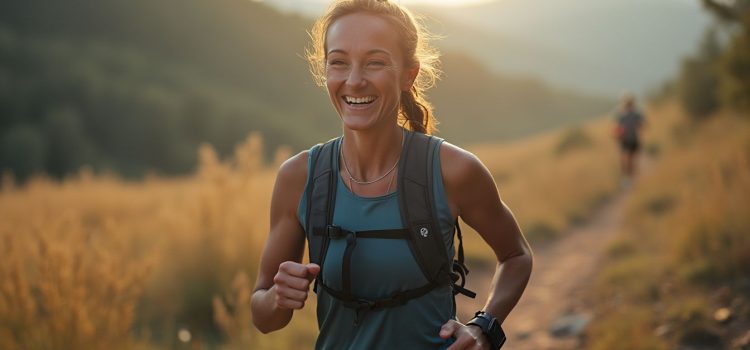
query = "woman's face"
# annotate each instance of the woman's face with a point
(365, 71)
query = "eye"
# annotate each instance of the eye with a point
(336, 63)
(376, 63)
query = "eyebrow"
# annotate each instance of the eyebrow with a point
(373, 51)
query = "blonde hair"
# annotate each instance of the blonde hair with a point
(415, 112)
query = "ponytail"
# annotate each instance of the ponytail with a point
(416, 112)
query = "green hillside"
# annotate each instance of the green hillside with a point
(475, 105)
(137, 85)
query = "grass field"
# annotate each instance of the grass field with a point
(95, 262)
(679, 274)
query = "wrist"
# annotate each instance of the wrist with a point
(490, 328)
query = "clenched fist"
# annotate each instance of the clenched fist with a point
(292, 283)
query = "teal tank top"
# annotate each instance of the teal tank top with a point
(380, 267)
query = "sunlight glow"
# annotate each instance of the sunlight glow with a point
(446, 3)
(442, 3)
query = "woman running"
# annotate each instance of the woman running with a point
(378, 206)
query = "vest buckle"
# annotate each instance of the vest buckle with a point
(334, 232)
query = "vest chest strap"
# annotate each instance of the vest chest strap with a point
(336, 232)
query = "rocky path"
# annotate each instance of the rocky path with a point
(552, 311)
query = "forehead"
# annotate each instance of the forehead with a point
(362, 32)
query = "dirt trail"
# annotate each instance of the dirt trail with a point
(563, 271)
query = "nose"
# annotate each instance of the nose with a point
(356, 77)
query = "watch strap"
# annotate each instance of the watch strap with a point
(490, 327)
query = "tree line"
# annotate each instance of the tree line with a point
(718, 74)
(135, 86)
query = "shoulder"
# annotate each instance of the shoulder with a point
(459, 166)
(296, 166)
(292, 174)
(465, 178)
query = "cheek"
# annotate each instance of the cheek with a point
(332, 85)
(334, 78)
(389, 80)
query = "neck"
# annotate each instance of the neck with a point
(371, 154)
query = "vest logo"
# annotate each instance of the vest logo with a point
(424, 232)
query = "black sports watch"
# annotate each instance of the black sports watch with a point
(490, 327)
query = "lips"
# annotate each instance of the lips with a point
(359, 100)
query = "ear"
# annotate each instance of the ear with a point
(408, 77)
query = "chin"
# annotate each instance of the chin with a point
(360, 121)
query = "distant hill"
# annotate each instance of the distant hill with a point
(502, 54)
(476, 102)
(133, 85)
(601, 47)
(484, 106)
(144, 82)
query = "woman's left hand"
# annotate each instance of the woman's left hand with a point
(467, 337)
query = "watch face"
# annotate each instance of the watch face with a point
(496, 332)
(493, 326)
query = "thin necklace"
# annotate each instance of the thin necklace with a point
(387, 190)
(361, 182)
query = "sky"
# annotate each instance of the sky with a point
(316, 7)
(611, 45)
(404, 2)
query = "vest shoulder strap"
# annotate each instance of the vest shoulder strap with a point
(321, 194)
(417, 206)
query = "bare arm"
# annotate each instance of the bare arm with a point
(283, 282)
(473, 196)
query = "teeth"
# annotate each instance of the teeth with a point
(359, 100)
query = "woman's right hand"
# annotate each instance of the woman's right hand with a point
(292, 283)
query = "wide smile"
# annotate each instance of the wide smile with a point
(359, 101)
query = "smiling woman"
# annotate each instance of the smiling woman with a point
(380, 228)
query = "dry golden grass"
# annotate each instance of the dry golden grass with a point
(70, 276)
(95, 262)
(686, 236)
(82, 255)
(552, 181)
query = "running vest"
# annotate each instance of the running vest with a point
(418, 214)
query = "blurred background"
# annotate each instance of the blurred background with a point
(139, 142)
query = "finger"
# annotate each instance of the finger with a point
(312, 271)
(462, 343)
(297, 283)
(294, 269)
(293, 294)
(448, 329)
(285, 303)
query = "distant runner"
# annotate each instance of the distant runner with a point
(629, 125)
